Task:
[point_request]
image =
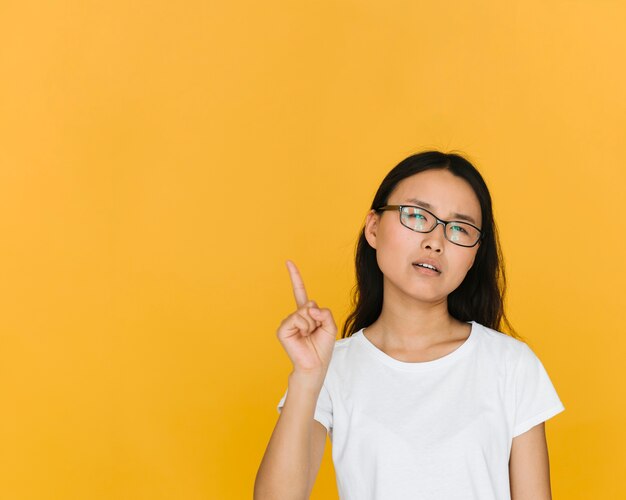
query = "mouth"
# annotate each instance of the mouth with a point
(426, 269)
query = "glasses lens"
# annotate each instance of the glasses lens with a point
(457, 232)
(462, 234)
(417, 219)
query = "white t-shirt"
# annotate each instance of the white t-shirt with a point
(434, 430)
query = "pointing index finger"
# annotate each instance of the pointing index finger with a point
(299, 291)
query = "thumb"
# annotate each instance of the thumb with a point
(325, 317)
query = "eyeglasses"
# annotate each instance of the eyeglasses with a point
(421, 220)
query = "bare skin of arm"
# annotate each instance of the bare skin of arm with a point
(529, 466)
(294, 454)
(318, 443)
(295, 450)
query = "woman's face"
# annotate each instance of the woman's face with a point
(398, 247)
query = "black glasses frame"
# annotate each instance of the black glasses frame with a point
(439, 221)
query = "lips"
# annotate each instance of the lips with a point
(431, 262)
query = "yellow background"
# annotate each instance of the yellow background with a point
(160, 161)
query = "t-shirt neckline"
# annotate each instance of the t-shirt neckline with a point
(446, 360)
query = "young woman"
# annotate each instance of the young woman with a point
(423, 397)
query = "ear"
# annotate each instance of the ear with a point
(371, 227)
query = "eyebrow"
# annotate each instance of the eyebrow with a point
(453, 214)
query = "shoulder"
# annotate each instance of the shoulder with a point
(344, 345)
(499, 340)
(502, 347)
(345, 354)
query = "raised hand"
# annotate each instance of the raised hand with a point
(307, 334)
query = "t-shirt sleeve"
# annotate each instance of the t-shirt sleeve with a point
(536, 399)
(323, 410)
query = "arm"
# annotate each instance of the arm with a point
(529, 467)
(294, 453)
(318, 443)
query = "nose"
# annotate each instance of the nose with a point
(435, 239)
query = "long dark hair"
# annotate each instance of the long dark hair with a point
(480, 297)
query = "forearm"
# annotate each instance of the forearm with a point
(285, 468)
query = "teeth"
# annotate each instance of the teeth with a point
(428, 266)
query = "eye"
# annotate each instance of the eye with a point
(414, 213)
(459, 228)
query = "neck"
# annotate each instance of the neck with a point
(408, 324)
